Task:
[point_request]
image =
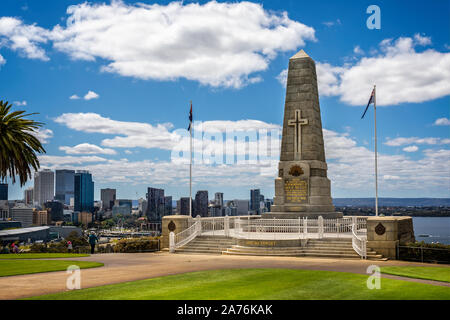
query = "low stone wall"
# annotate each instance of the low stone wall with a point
(175, 223)
(385, 233)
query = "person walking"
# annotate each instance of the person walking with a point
(92, 240)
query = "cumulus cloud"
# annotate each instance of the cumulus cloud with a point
(43, 135)
(216, 44)
(49, 160)
(401, 73)
(20, 103)
(74, 97)
(2, 60)
(411, 149)
(90, 95)
(442, 122)
(26, 39)
(86, 148)
(401, 141)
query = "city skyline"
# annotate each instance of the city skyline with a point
(109, 114)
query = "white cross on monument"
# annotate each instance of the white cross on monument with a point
(298, 122)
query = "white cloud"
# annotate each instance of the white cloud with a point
(358, 50)
(43, 135)
(422, 40)
(48, 160)
(86, 148)
(402, 75)
(282, 77)
(20, 103)
(332, 23)
(442, 122)
(411, 149)
(90, 95)
(26, 39)
(216, 44)
(74, 97)
(401, 141)
(2, 60)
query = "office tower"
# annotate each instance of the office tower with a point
(3, 191)
(255, 201)
(108, 197)
(23, 214)
(122, 206)
(64, 185)
(201, 203)
(41, 218)
(155, 204)
(241, 207)
(28, 196)
(44, 186)
(56, 209)
(142, 208)
(85, 218)
(218, 199)
(267, 204)
(4, 210)
(167, 205)
(83, 192)
(183, 207)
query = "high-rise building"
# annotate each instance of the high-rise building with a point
(108, 197)
(155, 204)
(64, 186)
(4, 210)
(41, 218)
(44, 186)
(83, 191)
(267, 204)
(201, 204)
(241, 207)
(122, 206)
(167, 205)
(3, 191)
(142, 208)
(85, 218)
(183, 206)
(56, 210)
(255, 198)
(218, 199)
(20, 212)
(28, 196)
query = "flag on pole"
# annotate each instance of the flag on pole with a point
(190, 118)
(371, 100)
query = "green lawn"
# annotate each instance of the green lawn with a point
(17, 267)
(41, 255)
(428, 273)
(259, 284)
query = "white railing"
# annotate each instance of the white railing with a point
(184, 237)
(358, 243)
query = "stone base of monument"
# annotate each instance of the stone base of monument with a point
(296, 215)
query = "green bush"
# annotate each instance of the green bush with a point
(137, 245)
(426, 252)
(79, 244)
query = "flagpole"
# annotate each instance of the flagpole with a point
(190, 171)
(376, 151)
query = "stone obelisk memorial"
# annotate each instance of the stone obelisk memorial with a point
(302, 188)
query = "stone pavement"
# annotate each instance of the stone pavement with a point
(123, 267)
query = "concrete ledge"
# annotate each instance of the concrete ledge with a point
(296, 215)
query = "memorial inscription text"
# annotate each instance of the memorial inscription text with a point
(296, 190)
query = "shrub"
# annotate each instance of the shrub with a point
(137, 245)
(427, 252)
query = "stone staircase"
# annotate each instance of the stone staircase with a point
(207, 244)
(325, 248)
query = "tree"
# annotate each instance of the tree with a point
(18, 145)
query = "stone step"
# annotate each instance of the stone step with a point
(210, 242)
(194, 250)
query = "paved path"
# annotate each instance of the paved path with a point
(123, 267)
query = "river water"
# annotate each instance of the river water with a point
(438, 229)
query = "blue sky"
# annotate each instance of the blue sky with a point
(144, 63)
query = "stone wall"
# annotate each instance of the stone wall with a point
(385, 233)
(175, 223)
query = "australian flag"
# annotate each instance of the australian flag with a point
(371, 100)
(190, 118)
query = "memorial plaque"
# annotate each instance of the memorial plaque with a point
(296, 190)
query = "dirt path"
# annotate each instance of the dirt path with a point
(138, 266)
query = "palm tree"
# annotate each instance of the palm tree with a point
(18, 145)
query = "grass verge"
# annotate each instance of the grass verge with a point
(41, 255)
(427, 273)
(19, 267)
(258, 284)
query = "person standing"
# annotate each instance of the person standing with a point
(92, 240)
(69, 246)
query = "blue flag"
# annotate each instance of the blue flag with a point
(190, 118)
(371, 100)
